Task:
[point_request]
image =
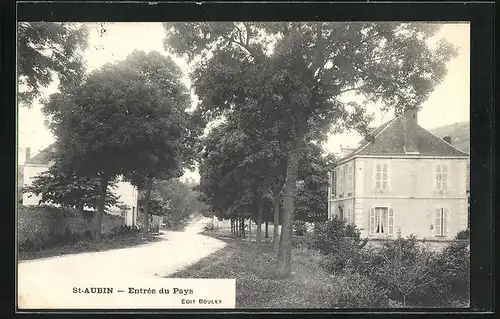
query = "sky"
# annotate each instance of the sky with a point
(449, 103)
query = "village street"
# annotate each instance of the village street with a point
(39, 279)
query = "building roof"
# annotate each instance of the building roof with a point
(388, 139)
(43, 157)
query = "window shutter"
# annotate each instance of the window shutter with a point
(372, 221)
(445, 222)
(438, 222)
(434, 176)
(391, 222)
(388, 168)
(445, 177)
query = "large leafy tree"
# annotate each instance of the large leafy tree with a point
(46, 49)
(304, 69)
(165, 155)
(121, 121)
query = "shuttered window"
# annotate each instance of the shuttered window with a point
(381, 177)
(441, 177)
(381, 221)
(441, 222)
(350, 179)
(334, 184)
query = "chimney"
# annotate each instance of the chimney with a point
(410, 124)
(28, 155)
(447, 139)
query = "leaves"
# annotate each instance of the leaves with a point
(45, 48)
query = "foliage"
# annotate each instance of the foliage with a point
(354, 290)
(60, 186)
(407, 268)
(334, 236)
(45, 48)
(463, 234)
(174, 200)
(300, 227)
(451, 270)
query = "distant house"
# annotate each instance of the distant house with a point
(33, 166)
(401, 179)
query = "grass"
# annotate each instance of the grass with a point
(257, 284)
(106, 243)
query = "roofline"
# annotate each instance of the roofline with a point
(441, 139)
(391, 122)
(412, 156)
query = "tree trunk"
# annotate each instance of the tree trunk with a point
(267, 229)
(250, 229)
(276, 221)
(231, 223)
(101, 207)
(242, 227)
(147, 198)
(258, 237)
(285, 246)
(237, 230)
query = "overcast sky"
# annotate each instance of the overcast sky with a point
(449, 103)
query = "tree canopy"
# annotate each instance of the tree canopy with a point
(46, 49)
(128, 118)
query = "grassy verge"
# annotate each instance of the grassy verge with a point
(116, 242)
(257, 285)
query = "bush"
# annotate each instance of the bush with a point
(299, 227)
(451, 271)
(334, 237)
(463, 234)
(357, 291)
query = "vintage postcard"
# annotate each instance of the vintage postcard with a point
(243, 165)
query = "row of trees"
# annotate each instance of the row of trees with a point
(278, 88)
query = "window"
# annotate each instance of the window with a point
(350, 215)
(381, 176)
(441, 177)
(333, 184)
(441, 222)
(349, 180)
(382, 221)
(341, 212)
(341, 181)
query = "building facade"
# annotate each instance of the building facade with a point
(33, 166)
(402, 179)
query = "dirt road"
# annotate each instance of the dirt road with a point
(38, 280)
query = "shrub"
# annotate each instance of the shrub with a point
(463, 234)
(451, 270)
(334, 237)
(299, 227)
(357, 291)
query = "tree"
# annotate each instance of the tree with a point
(60, 186)
(121, 121)
(172, 148)
(312, 184)
(45, 48)
(303, 77)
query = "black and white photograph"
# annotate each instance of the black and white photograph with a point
(243, 165)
